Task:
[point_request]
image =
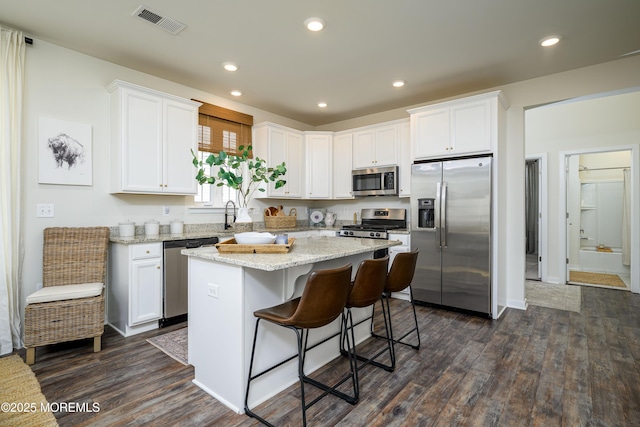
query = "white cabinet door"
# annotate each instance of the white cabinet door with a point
(342, 166)
(145, 291)
(319, 156)
(364, 149)
(152, 135)
(404, 165)
(471, 127)
(386, 146)
(430, 133)
(295, 160)
(277, 144)
(180, 132)
(140, 143)
(375, 146)
(277, 149)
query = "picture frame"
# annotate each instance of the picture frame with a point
(64, 152)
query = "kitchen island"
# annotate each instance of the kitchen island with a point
(225, 290)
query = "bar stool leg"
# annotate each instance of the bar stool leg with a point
(302, 336)
(250, 378)
(386, 297)
(348, 324)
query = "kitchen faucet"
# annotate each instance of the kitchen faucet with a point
(226, 215)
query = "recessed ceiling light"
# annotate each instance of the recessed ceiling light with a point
(314, 24)
(322, 104)
(549, 41)
(236, 92)
(399, 83)
(230, 66)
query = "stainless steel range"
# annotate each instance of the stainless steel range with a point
(376, 223)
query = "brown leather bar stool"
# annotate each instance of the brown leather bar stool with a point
(399, 277)
(366, 290)
(322, 301)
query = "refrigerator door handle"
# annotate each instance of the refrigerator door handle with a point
(436, 216)
(444, 216)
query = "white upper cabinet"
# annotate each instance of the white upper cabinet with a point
(375, 146)
(319, 161)
(459, 127)
(152, 135)
(404, 169)
(342, 165)
(277, 144)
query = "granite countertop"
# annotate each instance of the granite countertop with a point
(201, 234)
(305, 250)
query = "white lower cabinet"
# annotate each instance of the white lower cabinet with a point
(393, 251)
(135, 287)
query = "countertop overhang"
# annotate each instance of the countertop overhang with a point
(305, 250)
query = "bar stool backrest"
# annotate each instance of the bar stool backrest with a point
(369, 283)
(323, 299)
(402, 270)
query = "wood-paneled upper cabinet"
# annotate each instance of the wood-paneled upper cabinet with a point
(152, 135)
(319, 161)
(454, 128)
(277, 144)
(342, 165)
(375, 146)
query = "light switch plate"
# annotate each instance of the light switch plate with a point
(45, 210)
(212, 290)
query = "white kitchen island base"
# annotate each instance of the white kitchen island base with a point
(225, 290)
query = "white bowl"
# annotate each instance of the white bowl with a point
(254, 238)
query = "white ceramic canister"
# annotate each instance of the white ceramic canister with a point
(151, 228)
(126, 229)
(177, 226)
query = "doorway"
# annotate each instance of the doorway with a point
(598, 206)
(532, 219)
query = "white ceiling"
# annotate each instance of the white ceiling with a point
(440, 47)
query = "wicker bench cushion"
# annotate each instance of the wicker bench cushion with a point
(62, 292)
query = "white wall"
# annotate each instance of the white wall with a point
(71, 86)
(596, 123)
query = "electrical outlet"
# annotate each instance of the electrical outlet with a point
(345, 211)
(45, 210)
(165, 210)
(212, 290)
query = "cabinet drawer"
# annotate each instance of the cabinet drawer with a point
(146, 250)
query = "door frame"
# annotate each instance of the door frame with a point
(635, 210)
(543, 241)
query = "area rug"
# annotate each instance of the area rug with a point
(21, 399)
(596, 279)
(174, 344)
(550, 295)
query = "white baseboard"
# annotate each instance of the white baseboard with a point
(517, 304)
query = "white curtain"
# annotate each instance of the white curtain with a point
(12, 53)
(626, 218)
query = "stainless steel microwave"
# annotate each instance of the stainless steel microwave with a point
(375, 181)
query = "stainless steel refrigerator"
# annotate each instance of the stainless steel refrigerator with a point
(451, 225)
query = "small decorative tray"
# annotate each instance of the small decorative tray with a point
(231, 247)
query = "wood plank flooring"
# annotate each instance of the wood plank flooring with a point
(539, 367)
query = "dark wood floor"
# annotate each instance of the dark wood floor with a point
(537, 367)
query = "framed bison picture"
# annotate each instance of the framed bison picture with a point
(64, 152)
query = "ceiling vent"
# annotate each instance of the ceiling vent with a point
(167, 24)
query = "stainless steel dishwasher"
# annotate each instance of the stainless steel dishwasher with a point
(176, 280)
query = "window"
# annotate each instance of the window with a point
(220, 129)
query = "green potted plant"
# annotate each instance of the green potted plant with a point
(241, 173)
